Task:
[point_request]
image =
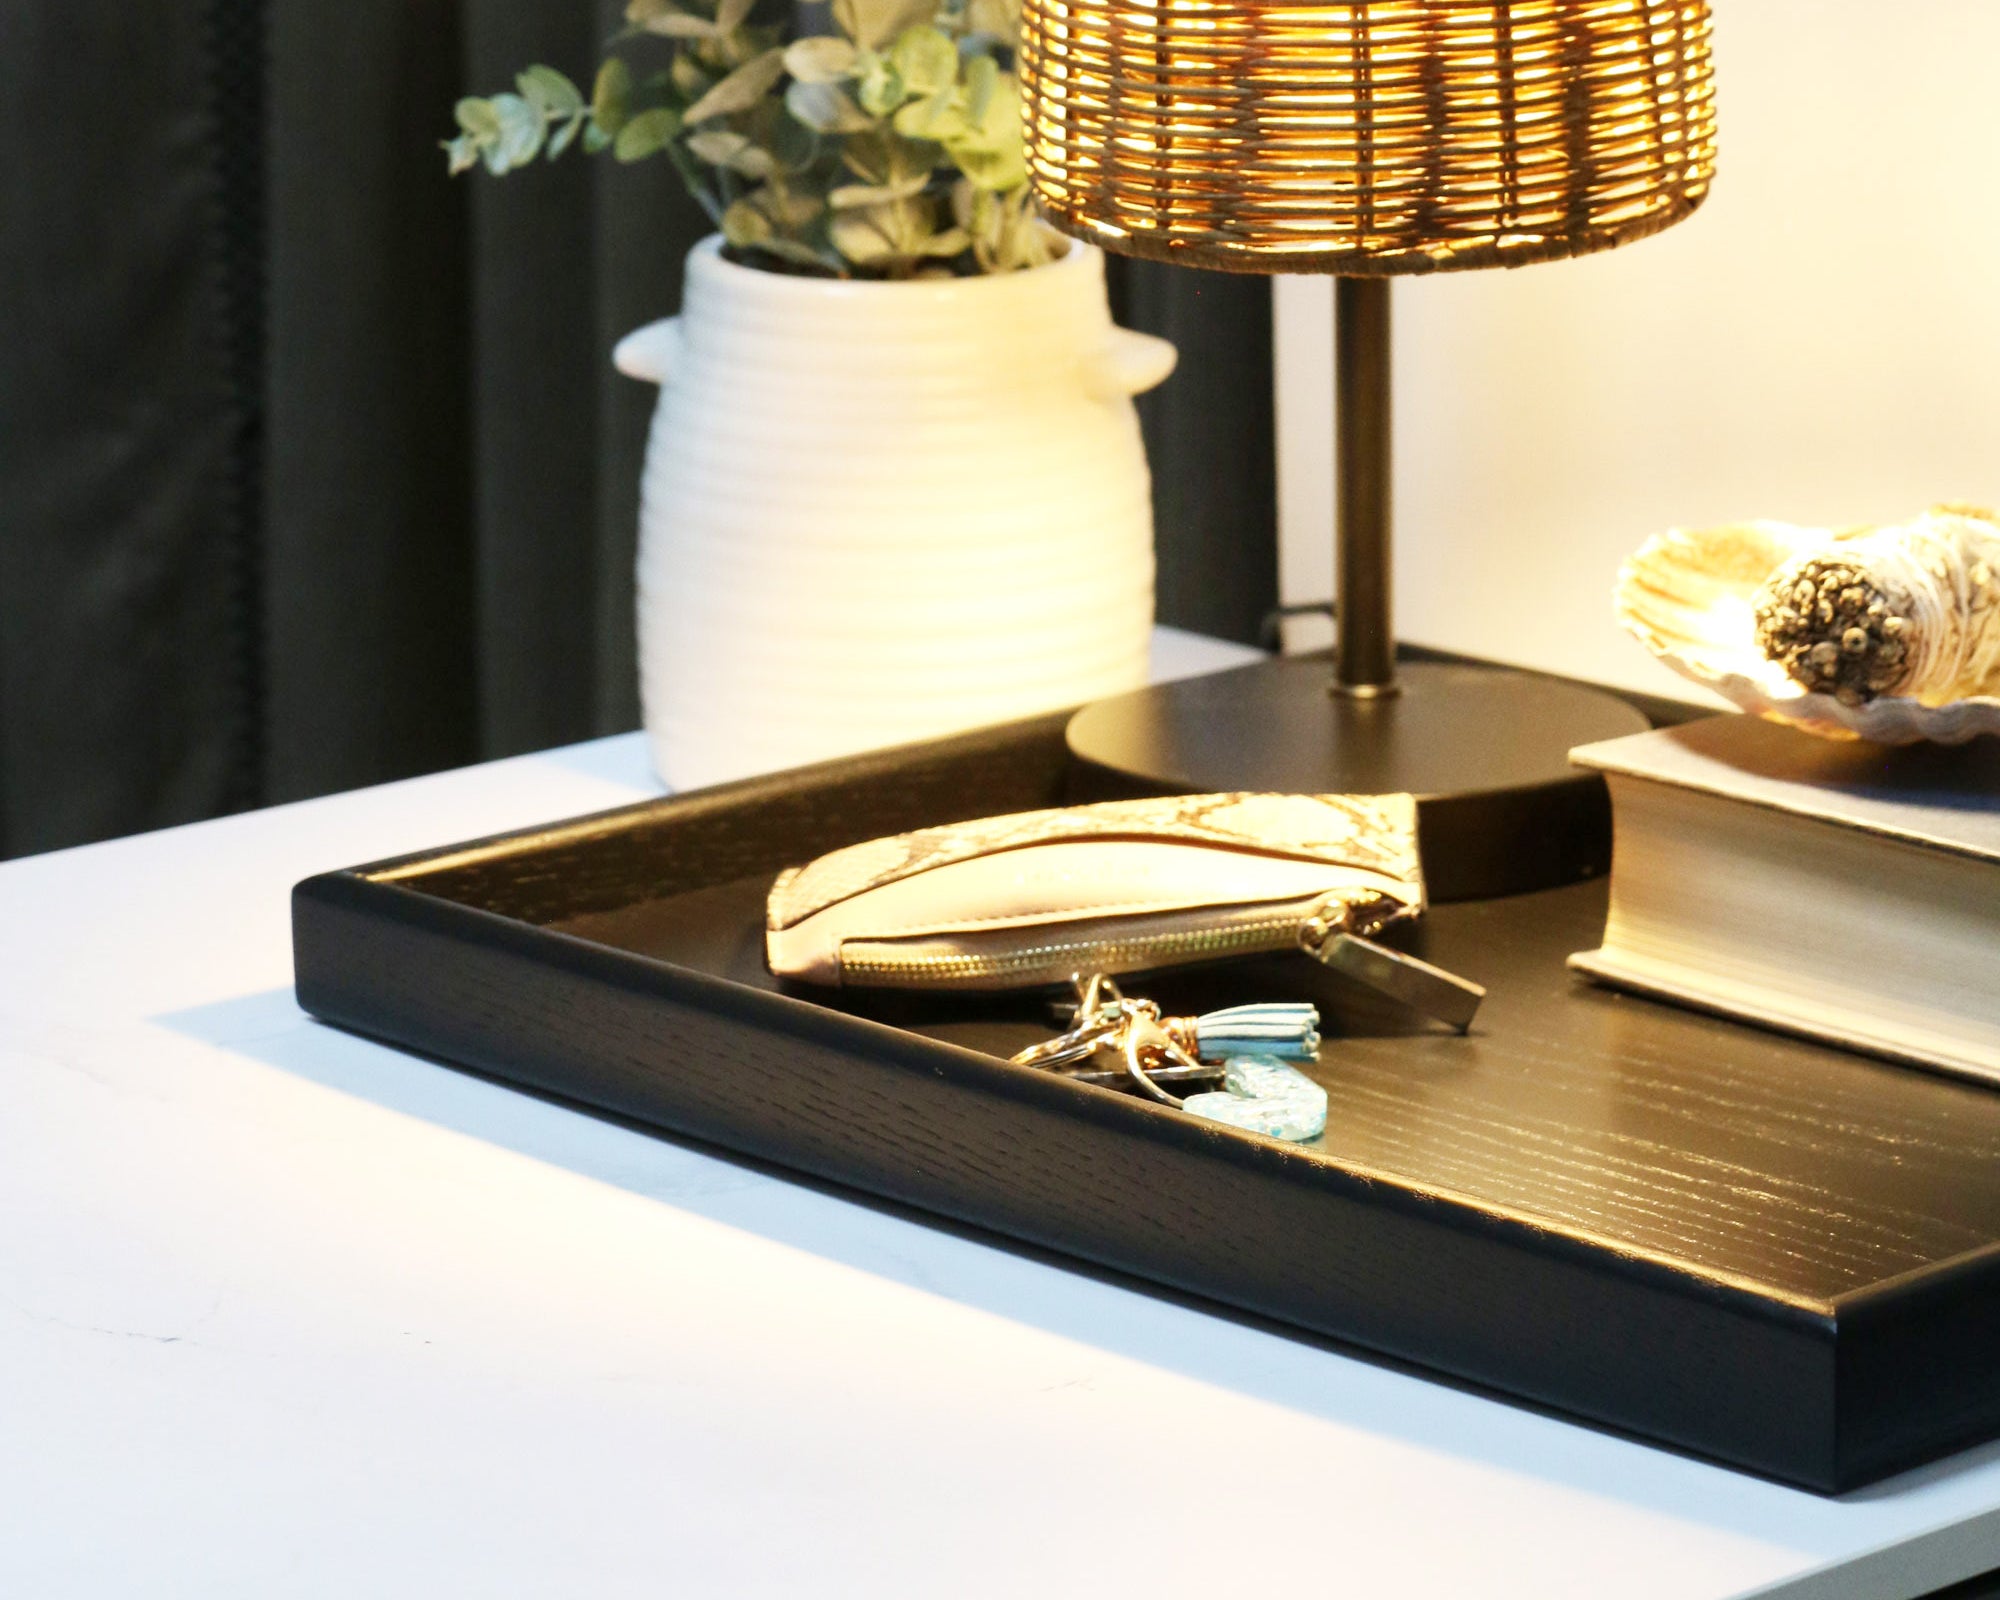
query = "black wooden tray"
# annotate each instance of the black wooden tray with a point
(1769, 1253)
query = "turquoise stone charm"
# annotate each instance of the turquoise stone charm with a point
(1263, 1095)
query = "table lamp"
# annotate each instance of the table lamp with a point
(1368, 140)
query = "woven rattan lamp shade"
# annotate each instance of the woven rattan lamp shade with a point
(1367, 139)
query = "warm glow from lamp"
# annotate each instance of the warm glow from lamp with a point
(1367, 139)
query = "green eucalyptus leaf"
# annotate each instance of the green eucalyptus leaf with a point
(462, 153)
(722, 147)
(717, 146)
(1034, 243)
(596, 139)
(866, 155)
(732, 14)
(825, 108)
(926, 59)
(478, 118)
(873, 23)
(521, 133)
(997, 19)
(744, 226)
(741, 90)
(997, 117)
(880, 89)
(972, 207)
(982, 77)
(565, 134)
(824, 59)
(950, 242)
(679, 25)
(646, 134)
(938, 117)
(667, 20)
(989, 151)
(996, 169)
(848, 196)
(549, 92)
(882, 155)
(686, 78)
(1009, 234)
(792, 209)
(1023, 241)
(925, 154)
(859, 240)
(611, 96)
(901, 227)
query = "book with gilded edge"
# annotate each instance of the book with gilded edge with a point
(1844, 891)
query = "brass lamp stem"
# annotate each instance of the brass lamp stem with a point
(1365, 654)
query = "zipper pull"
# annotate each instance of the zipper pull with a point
(1335, 934)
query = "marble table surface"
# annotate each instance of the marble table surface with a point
(285, 1312)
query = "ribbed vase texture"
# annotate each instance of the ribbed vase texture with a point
(879, 512)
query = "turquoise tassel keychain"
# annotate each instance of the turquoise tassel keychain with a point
(1251, 1088)
(1288, 1031)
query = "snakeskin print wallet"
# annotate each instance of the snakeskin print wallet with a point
(1043, 897)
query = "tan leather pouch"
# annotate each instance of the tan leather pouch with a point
(1130, 886)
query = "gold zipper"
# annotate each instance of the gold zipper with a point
(901, 964)
(1334, 929)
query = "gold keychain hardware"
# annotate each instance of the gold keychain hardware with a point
(1150, 1049)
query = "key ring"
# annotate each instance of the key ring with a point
(1092, 1024)
(1252, 1089)
(1106, 1019)
(1143, 1033)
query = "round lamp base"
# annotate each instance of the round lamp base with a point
(1484, 749)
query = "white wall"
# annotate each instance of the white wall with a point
(1820, 343)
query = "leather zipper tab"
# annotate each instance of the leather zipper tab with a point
(1451, 999)
(1336, 934)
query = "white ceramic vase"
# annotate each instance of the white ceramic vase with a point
(879, 512)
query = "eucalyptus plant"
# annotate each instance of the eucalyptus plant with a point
(884, 143)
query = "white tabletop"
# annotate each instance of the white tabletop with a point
(287, 1313)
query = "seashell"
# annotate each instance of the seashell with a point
(1917, 660)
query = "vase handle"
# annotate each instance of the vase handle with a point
(648, 353)
(1131, 363)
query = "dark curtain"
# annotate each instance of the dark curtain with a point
(122, 618)
(313, 468)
